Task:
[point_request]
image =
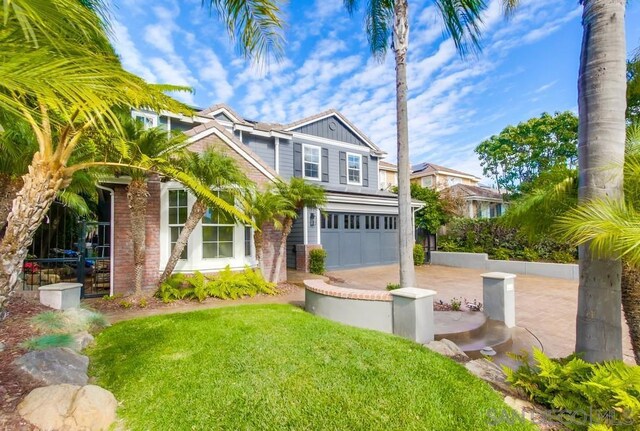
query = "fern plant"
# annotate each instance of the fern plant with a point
(590, 396)
(170, 290)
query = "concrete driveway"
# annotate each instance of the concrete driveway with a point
(545, 306)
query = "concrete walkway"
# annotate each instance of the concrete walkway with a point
(545, 306)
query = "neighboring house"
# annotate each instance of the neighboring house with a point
(357, 227)
(439, 177)
(388, 175)
(479, 201)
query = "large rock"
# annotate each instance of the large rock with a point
(69, 408)
(81, 340)
(524, 408)
(47, 407)
(489, 372)
(55, 366)
(448, 348)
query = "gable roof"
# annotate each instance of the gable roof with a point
(335, 113)
(423, 169)
(213, 127)
(475, 191)
(387, 166)
(224, 108)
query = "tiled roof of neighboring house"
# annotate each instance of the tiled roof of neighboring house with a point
(475, 191)
(342, 118)
(213, 124)
(422, 169)
(388, 166)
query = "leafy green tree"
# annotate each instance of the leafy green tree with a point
(436, 211)
(519, 154)
(386, 21)
(218, 172)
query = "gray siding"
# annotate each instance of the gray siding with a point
(312, 231)
(295, 237)
(340, 133)
(263, 147)
(286, 159)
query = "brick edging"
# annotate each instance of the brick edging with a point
(322, 288)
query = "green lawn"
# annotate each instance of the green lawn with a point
(277, 367)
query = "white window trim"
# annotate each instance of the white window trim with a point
(148, 115)
(304, 149)
(354, 183)
(194, 261)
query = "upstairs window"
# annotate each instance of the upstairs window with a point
(427, 181)
(354, 168)
(146, 119)
(311, 160)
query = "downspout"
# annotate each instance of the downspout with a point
(111, 237)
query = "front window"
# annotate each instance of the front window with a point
(311, 159)
(178, 209)
(427, 181)
(354, 168)
(147, 120)
(248, 233)
(217, 231)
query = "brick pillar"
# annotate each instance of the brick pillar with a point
(270, 252)
(302, 256)
(122, 242)
(152, 240)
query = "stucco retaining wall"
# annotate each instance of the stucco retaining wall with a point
(481, 261)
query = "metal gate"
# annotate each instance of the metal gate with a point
(68, 248)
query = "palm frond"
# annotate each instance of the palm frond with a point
(256, 26)
(462, 21)
(611, 227)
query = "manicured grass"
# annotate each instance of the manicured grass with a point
(276, 367)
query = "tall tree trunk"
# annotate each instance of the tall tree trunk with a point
(601, 142)
(405, 222)
(137, 197)
(39, 189)
(631, 305)
(258, 242)
(287, 224)
(9, 187)
(197, 212)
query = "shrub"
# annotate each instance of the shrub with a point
(317, 260)
(47, 341)
(393, 286)
(501, 253)
(225, 285)
(418, 254)
(125, 304)
(49, 321)
(563, 257)
(456, 304)
(583, 394)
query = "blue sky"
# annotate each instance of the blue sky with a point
(528, 65)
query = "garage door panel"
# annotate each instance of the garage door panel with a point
(371, 247)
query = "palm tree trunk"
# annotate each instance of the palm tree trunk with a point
(39, 189)
(9, 187)
(258, 242)
(287, 224)
(601, 102)
(631, 305)
(137, 197)
(405, 223)
(197, 211)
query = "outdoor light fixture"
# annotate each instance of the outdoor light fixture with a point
(312, 219)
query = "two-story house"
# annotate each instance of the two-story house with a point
(478, 201)
(357, 227)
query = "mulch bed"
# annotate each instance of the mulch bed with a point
(14, 384)
(122, 304)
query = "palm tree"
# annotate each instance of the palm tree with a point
(220, 173)
(60, 74)
(385, 18)
(266, 208)
(299, 194)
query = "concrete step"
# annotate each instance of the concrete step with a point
(496, 335)
(459, 326)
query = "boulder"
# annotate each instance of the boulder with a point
(448, 348)
(47, 407)
(55, 366)
(69, 408)
(523, 408)
(489, 372)
(81, 340)
(93, 408)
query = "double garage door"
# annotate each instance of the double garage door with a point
(353, 240)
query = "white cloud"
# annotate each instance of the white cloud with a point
(129, 54)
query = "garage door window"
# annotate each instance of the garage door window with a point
(390, 223)
(351, 221)
(330, 221)
(371, 222)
